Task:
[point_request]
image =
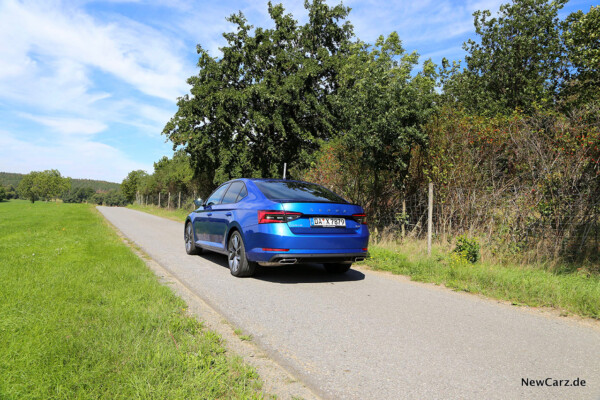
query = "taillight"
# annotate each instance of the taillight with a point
(360, 218)
(277, 217)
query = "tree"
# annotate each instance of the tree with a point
(52, 185)
(79, 195)
(27, 188)
(384, 107)
(268, 99)
(517, 62)
(46, 185)
(174, 174)
(2, 193)
(131, 184)
(581, 39)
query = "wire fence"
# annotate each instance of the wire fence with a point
(515, 220)
(176, 200)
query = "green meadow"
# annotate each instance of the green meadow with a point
(81, 316)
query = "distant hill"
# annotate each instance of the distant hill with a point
(9, 178)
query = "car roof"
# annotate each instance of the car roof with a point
(263, 180)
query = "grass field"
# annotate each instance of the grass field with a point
(82, 317)
(577, 293)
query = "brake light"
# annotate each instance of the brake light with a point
(360, 218)
(277, 217)
(268, 249)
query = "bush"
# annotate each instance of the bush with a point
(467, 248)
(79, 195)
(115, 198)
(97, 198)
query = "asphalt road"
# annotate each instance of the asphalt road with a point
(368, 335)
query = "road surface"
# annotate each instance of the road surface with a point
(368, 335)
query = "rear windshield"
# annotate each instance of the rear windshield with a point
(297, 191)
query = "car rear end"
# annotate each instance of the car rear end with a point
(293, 229)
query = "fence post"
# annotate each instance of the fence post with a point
(169, 201)
(179, 203)
(430, 218)
(158, 199)
(403, 216)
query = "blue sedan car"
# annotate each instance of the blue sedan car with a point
(271, 222)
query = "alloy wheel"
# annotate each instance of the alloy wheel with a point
(235, 253)
(188, 237)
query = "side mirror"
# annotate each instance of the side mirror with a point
(198, 203)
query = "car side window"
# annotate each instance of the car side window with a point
(216, 196)
(243, 193)
(232, 193)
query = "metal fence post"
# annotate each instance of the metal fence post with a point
(169, 201)
(179, 202)
(158, 199)
(430, 218)
(403, 217)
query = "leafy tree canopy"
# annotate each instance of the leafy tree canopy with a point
(384, 104)
(268, 100)
(582, 45)
(44, 185)
(131, 183)
(517, 61)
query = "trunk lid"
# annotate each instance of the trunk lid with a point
(314, 214)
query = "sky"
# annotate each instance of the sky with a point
(86, 87)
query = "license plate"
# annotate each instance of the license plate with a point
(329, 222)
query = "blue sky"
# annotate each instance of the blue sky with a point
(87, 86)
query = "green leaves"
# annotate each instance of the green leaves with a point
(268, 99)
(131, 184)
(526, 58)
(44, 185)
(582, 44)
(384, 105)
(517, 61)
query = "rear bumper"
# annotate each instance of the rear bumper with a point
(299, 258)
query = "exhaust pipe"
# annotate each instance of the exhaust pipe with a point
(359, 259)
(288, 261)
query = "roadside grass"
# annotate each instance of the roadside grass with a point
(533, 285)
(81, 316)
(173, 213)
(239, 333)
(577, 293)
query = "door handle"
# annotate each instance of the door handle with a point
(209, 214)
(228, 214)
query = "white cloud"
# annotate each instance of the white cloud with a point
(73, 158)
(60, 46)
(417, 22)
(68, 126)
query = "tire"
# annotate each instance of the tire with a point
(236, 257)
(337, 268)
(188, 237)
